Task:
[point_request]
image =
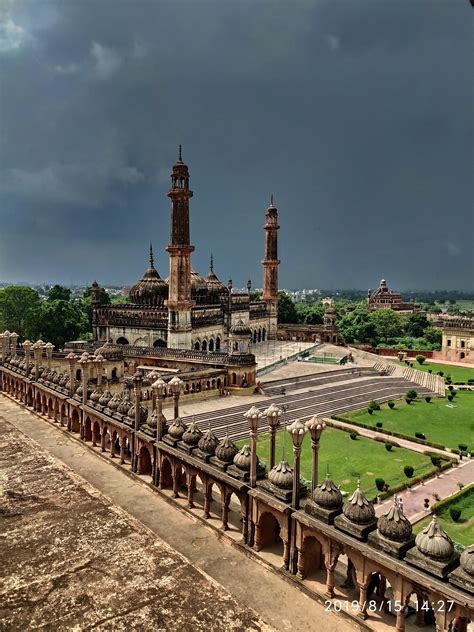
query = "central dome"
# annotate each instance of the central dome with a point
(151, 290)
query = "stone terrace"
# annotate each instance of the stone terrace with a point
(73, 561)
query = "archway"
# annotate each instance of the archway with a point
(234, 378)
(204, 345)
(87, 430)
(267, 534)
(259, 336)
(211, 344)
(462, 355)
(255, 336)
(197, 346)
(75, 427)
(310, 561)
(122, 341)
(145, 466)
(264, 334)
(166, 476)
(114, 373)
(78, 375)
(218, 344)
(159, 343)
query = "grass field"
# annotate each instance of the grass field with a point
(457, 373)
(348, 460)
(441, 421)
(461, 531)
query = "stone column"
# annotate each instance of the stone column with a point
(13, 342)
(362, 613)
(225, 499)
(175, 483)
(137, 380)
(330, 564)
(400, 623)
(207, 500)
(84, 362)
(48, 347)
(191, 490)
(123, 442)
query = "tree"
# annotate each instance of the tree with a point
(388, 324)
(357, 326)
(433, 335)
(59, 293)
(416, 325)
(17, 306)
(59, 321)
(255, 296)
(286, 309)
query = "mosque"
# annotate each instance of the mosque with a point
(186, 310)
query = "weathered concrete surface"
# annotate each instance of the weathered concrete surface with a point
(269, 594)
(71, 560)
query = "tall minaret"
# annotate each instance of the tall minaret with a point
(270, 268)
(179, 301)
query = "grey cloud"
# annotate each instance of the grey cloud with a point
(357, 116)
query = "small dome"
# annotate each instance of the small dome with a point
(125, 404)
(63, 380)
(467, 560)
(177, 429)
(214, 285)
(208, 442)
(198, 283)
(241, 330)
(96, 395)
(358, 509)
(109, 351)
(434, 542)
(394, 525)
(242, 458)
(226, 450)
(192, 435)
(328, 495)
(153, 420)
(115, 402)
(105, 398)
(281, 475)
(151, 290)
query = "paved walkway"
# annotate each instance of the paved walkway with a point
(269, 594)
(445, 485)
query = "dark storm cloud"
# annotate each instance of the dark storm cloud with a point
(356, 115)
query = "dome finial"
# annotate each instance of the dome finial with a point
(179, 156)
(211, 265)
(151, 256)
(271, 200)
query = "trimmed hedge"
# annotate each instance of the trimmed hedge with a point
(391, 433)
(411, 482)
(438, 506)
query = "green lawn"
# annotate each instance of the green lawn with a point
(457, 373)
(348, 460)
(438, 421)
(461, 531)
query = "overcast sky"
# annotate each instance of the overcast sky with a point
(356, 115)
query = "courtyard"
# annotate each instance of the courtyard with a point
(441, 421)
(349, 460)
(462, 531)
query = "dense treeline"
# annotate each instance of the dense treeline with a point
(56, 319)
(382, 328)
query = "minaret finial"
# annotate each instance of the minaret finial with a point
(179, 157)
(211, 265)
(151, 256)
(271, 200)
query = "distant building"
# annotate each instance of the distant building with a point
(189, 311)
(458, 338)
(384, 298)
